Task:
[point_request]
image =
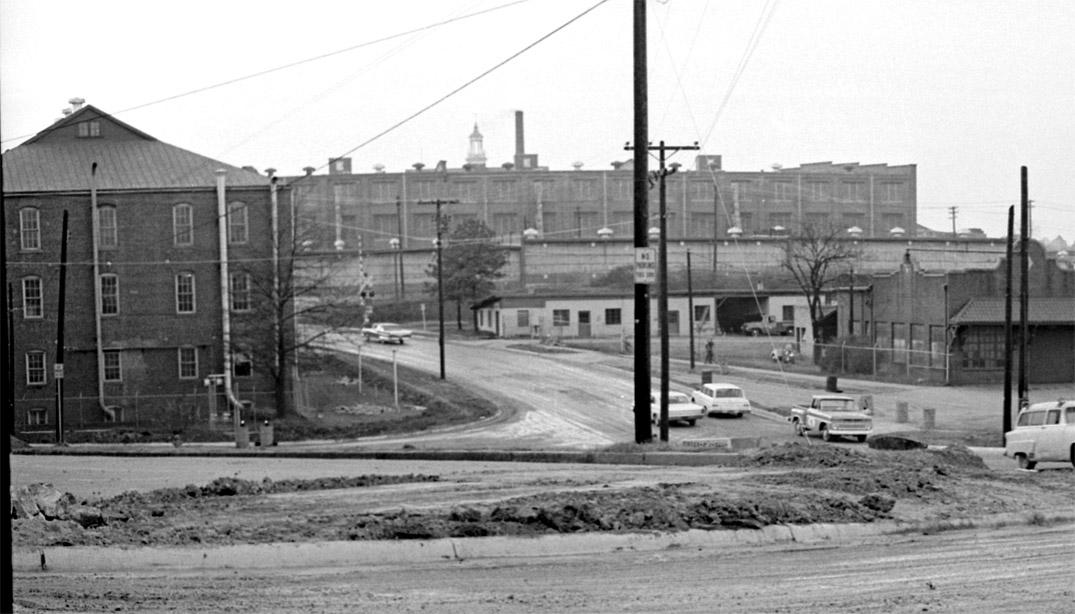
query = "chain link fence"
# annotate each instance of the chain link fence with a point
(899, 364)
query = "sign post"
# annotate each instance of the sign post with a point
(645, 265)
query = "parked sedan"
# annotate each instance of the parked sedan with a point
(680, 409)
(386, 332)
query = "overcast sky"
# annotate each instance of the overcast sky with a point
(967, 90)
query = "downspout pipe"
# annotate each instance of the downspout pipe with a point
(225, 295)
(98, 303)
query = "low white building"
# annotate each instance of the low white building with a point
(611, 314)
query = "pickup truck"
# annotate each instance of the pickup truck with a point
(769, 326)
(833, 415)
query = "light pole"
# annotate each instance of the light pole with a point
(397, 268)
(662, 274)
(399, 245)
(440, 276)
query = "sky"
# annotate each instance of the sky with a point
(967, 90)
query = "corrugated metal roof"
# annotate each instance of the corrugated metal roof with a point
(1041, 311)
(53, 161)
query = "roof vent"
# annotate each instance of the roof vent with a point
(76, 103)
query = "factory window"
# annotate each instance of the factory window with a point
(30, 229)
(32, 298)
(183, 224)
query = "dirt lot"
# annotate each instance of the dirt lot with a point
(789, 484)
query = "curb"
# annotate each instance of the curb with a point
(98, 559)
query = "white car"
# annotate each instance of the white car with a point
(386, 332)
(1044, 432)
(680, 408)
(720, 398)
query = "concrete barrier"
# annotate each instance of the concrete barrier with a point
(929, 418)
(901, 412)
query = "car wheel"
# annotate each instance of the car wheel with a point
(739, 415)
(1072, 455)
(861, 438)
(1025, 463)
(825, 434)
(691, 422)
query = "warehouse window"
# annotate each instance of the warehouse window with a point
(109, 295)
(183, 224)
(561, 317)
(188, 363)
(35, 369)
(113, 368)
(32, 299)
(184, 293)
(107, 235)
(30, 229)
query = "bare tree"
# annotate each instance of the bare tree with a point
(315, 293)
(814, 257)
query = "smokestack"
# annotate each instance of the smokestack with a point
(520, 149)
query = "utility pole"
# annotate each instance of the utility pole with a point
(1024, 288)
(7, 421)
(643, 430)
(1006, 418)
(440, 274)
(399, 237)
(690, 307)
(851, 301)
(662, 274)
(58, 366)
(952, 214)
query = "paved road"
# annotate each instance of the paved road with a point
(559, 398)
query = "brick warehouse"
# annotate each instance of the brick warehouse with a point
(148, 343)
(948, 325)
(705, 202)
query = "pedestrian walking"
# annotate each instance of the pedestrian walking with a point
(709, 352)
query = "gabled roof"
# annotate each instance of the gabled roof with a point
(57, 160)
(1041, 311)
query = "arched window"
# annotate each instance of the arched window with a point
(183, 225)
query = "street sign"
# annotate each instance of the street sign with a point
(57, 370)
(645, 265)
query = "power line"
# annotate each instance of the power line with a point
(303, 61)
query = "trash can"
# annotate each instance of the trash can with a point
(929, 417)
(901, 412)
(265, 435)
(830, 384)
(242, 435)
(707, 377)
